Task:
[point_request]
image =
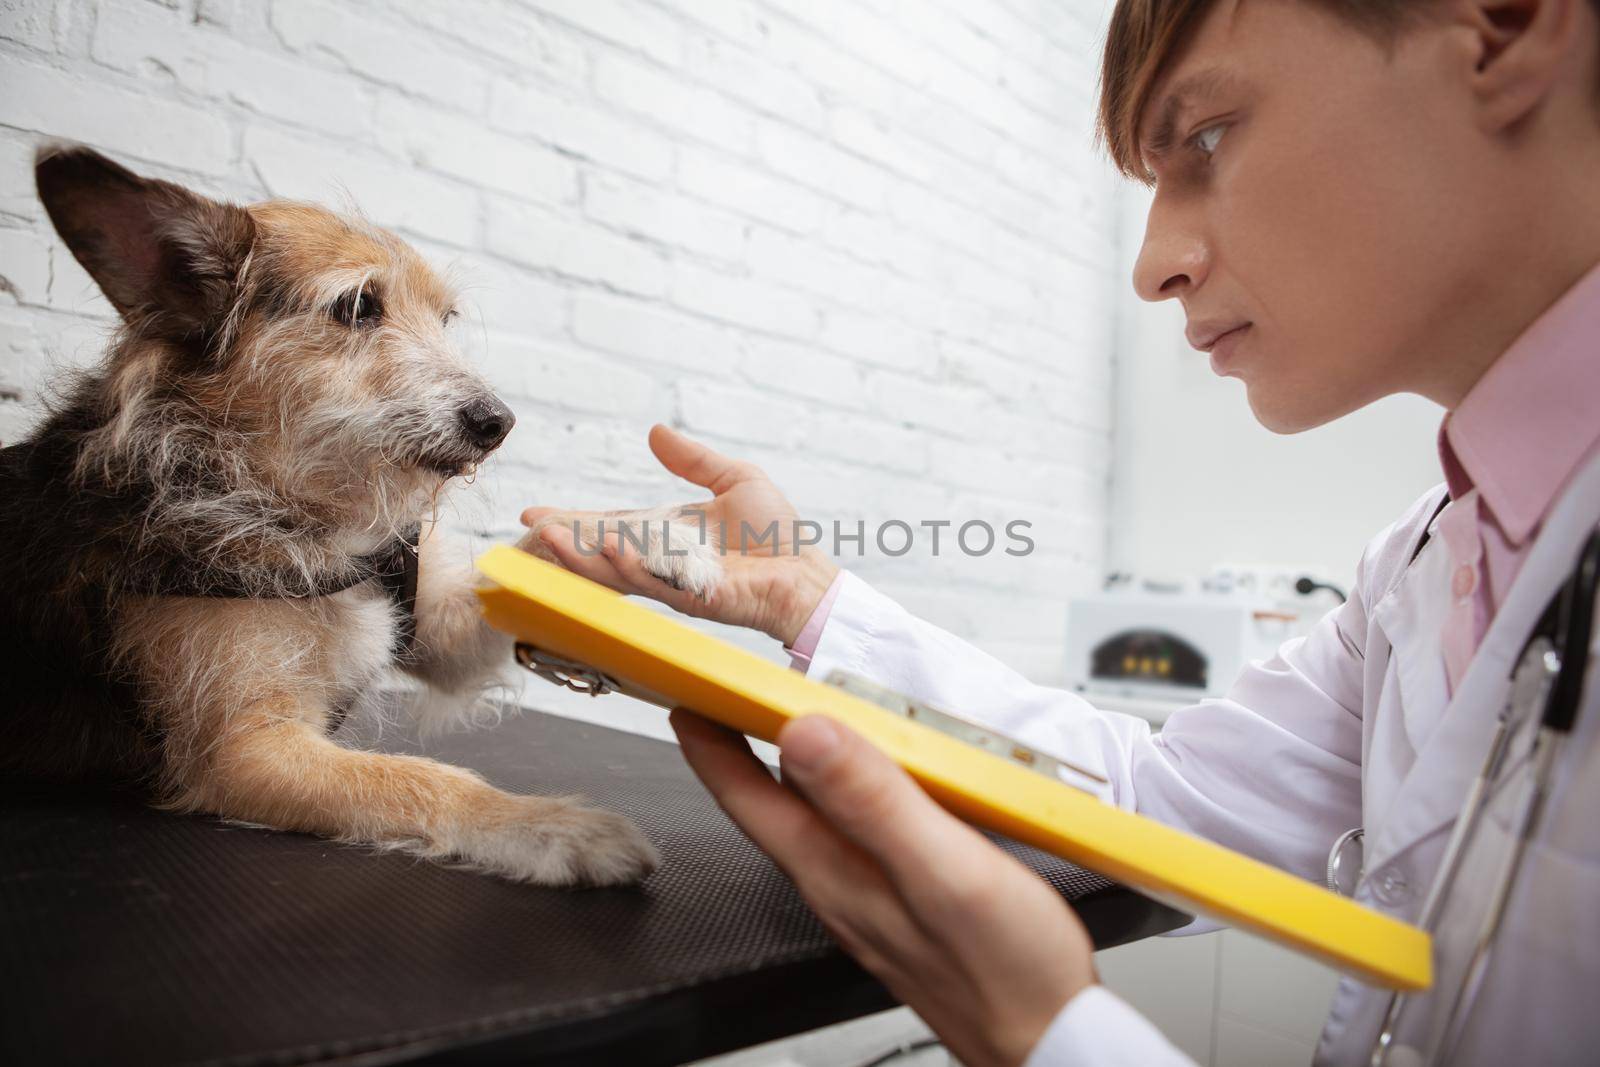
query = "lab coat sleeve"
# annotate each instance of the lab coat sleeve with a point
(1272, 769)
(1097, 1028)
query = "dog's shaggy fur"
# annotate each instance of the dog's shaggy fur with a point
(178, 539)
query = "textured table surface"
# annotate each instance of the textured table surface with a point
(132, 936)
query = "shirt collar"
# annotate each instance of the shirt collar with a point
(1524, 427)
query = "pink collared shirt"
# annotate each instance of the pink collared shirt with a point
(1508, 449)
(805, 643)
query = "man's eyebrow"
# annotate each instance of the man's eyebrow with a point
(1164, 133)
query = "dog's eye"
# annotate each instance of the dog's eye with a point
(450, 316)
(359, 308)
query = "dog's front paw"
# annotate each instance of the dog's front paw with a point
(684, 561)
(557, 842)
(672, 545)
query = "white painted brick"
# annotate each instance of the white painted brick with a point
(870, 442)
(777, 257)
(302, 168)
(537, 238)
(697, 113)
(32, 24)
(944, 407)
(500, 296)
(663, 216)
(869, 135)
(441, 142)
(737, 20)
(525, 41)
(580, 129)
(878, 340)
(58, 105)
(564, 378)
(741, 414)
(862, 33)
(369, 43)
(804, 371)
(640, 27)
(25, 266)
(653, 332)
(814, 162)
(742, 301)
(750, 192)
(16, 177)
(755, 81)
(222, 14)
(140, 38)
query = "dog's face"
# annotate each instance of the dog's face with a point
(345, 340)
(320, 343)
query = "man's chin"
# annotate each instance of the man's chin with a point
(1292, 411)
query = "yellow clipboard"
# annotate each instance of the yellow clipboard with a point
(584, 623)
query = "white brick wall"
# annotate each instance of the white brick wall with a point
(863, 242)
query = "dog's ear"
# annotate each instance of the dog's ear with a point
(164, 256)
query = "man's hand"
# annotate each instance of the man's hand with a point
(767, 583)
(981, 948)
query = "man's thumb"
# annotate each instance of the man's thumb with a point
(689, 460)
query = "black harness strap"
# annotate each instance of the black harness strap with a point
(394, 567)
(398, 576)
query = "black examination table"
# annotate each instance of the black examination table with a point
(130, 936)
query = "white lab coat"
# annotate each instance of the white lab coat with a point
(1347, 726)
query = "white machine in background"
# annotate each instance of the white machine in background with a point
(1150, 648)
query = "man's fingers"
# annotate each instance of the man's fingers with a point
(692, 460)
(532, 515)
(842, 883)
(782, 824)
(777, 820)
(875, 804)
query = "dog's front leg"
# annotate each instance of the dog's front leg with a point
(281, 771)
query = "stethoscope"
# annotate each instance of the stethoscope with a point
(1547, 682)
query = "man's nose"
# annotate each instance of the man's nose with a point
(486, 421)
(1174, 258)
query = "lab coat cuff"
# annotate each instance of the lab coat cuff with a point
(1097, 1028)
(856, 615)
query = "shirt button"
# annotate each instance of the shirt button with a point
(1391, 887)
(1464, 581)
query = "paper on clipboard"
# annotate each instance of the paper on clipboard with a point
(588, 626)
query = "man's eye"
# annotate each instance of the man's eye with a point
(360, 308)
(1207, 139)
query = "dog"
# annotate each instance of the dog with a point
(220, 536)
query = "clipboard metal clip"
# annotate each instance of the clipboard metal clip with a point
(578, 677)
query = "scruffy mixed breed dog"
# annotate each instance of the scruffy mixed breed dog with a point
(219, 538)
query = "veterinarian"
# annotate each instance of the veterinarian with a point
(1352, 199)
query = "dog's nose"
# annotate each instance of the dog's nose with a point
(486, 421)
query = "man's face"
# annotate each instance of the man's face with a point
(1318, 189)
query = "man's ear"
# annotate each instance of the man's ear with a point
(165, 257)
(1523, 47)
